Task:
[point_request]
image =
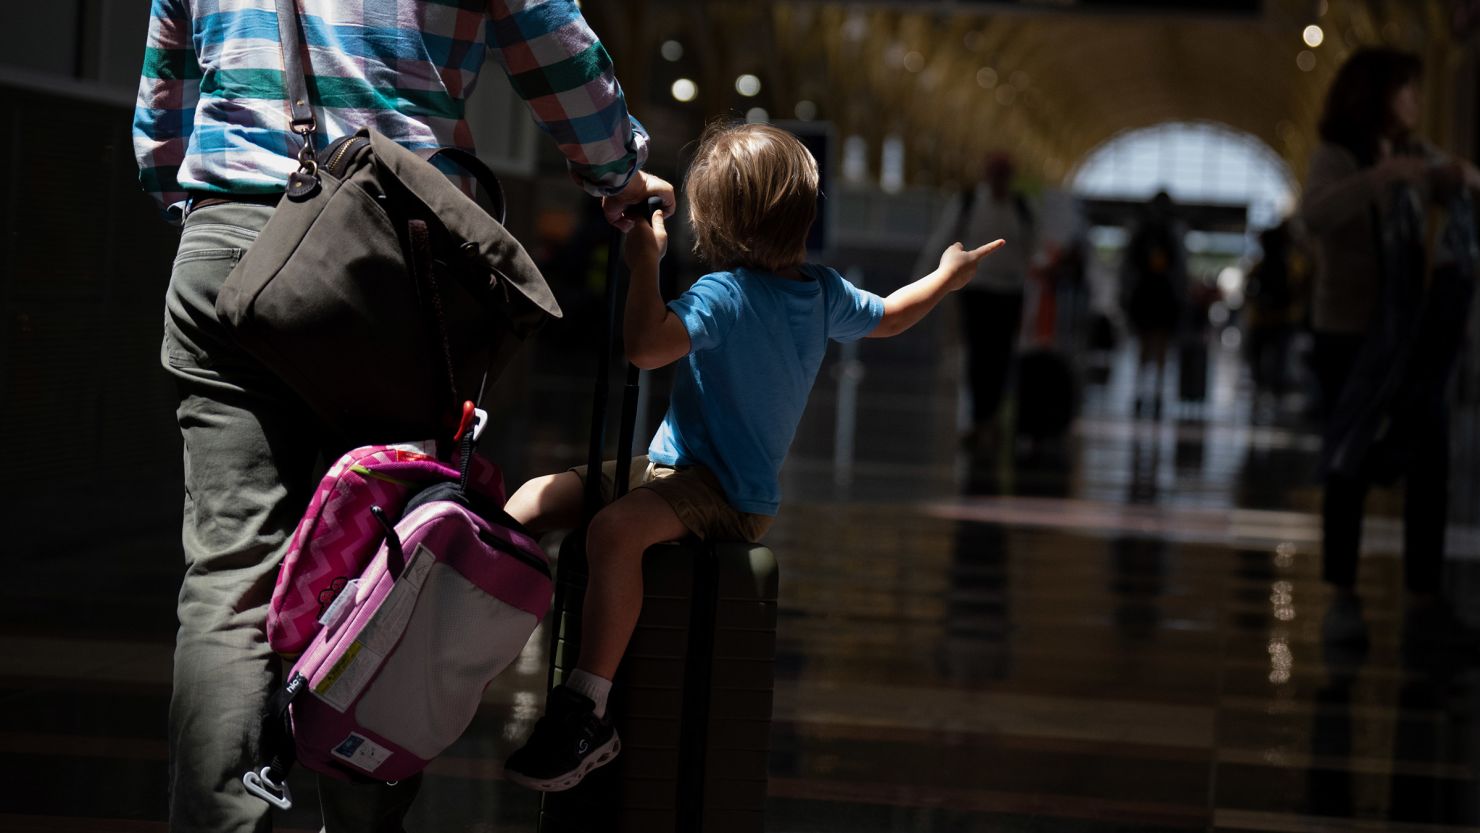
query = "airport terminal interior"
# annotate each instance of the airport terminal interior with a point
(1101, 610)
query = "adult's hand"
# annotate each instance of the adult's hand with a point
(642, 186)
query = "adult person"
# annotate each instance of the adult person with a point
(1154, 289)
(1273, 308)
(212, 138)
(992, 304)
(1370, 149)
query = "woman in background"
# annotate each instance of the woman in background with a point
(1369, 150)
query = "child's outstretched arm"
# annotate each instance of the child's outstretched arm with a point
(654, 336)
(908, 304)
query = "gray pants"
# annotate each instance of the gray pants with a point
(251, 451)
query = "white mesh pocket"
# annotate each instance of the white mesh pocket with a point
(458, 639)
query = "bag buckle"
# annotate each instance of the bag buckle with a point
(480, 421)
(265, 786)
(472, 417)
(307, 163)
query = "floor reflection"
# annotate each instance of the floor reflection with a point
(1115, 632)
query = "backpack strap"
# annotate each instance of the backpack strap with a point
(269, 782)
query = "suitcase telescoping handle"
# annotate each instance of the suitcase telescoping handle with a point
(615, 292)
(571, 573)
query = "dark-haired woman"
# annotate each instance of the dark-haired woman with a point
(1369, 149)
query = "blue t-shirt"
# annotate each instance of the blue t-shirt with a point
(756, 342)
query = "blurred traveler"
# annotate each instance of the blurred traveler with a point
(1369, 162)
(1154, 292)
(992, 304)
(1273, 308)
(212, 139)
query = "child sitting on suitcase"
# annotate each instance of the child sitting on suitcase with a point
(751, 337)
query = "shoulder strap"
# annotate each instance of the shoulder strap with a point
(290, 41)
(304, 182)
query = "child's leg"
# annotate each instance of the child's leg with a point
(615, 542)
(573, 738)
(549, 502)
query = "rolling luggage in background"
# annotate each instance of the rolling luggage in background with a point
(692, 699)
(1047, 394)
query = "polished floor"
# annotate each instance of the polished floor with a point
(1120, 633)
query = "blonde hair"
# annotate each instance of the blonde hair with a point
(752, 197)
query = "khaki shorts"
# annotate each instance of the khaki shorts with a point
(695, 495)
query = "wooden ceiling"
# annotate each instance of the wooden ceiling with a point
(1046, 86)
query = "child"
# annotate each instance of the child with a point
(751, 336)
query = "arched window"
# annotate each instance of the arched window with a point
(1195, 162)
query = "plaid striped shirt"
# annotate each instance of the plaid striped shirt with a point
(212, 113)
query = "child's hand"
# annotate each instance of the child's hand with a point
(646, 244)
(958, 264)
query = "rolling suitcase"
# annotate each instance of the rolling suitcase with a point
(692, 699)
(1047, 394)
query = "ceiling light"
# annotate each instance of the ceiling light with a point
(747, 85)
(1313, 36)
(685, 90)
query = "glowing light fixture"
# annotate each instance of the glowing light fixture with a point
(671, 50)
(747, 85)
(757, 115)
(1313, 36)
(684, 90)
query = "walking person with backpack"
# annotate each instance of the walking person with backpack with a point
(748, 339)
(1154, 289)
(215, 148)
(992, 303)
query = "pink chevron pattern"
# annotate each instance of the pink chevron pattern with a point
(338, 535)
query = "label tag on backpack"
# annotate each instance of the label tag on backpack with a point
(361, 752)
(375, 641)
(341, 606)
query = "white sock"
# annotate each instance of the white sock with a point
(592, 686)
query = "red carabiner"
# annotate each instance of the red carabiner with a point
(466, 422)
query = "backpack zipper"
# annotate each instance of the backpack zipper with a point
(499, 544)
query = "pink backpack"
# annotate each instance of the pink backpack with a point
(338, 534)
(398, 645)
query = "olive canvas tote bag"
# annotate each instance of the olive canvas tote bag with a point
(379, 291)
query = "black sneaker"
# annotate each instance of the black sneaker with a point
(568, 742)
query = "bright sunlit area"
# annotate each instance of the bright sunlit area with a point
(1194, 162)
